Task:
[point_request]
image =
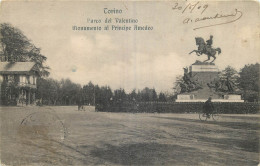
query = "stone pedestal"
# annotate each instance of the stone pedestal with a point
(204, 73)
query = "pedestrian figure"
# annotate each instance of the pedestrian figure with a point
(79, 102)
(208, 107)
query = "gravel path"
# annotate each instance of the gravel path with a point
(33, 136)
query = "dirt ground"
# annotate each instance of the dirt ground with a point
(64, 136)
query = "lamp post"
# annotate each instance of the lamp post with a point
(94, 96)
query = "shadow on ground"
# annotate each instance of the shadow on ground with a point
(155, 153)
(248, 140)
(146, 154)
(250, 145)
(234, 125)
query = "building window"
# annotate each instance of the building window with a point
(10, 78)
(16, 78)
(5, 78)
(27, 79)
(23, 79)
(34, 80)
(31, 80)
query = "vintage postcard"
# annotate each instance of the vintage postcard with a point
(129, 83)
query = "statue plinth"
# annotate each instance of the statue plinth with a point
(204, 72)
(204, 68)
(200, 83)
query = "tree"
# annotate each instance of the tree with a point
(69, 92)
(16, 47)
(14, 44)
(154, 95)
(177, 85)
(162, 97)
(106, 95)
(145, 94)
(249, 81)
(170, 96)
(228, 81)
(48, 90)
(133, 95)
(9, 91)
(139, 96)
(230, 73)
(148, 94)
(120, 95)
(88, 93)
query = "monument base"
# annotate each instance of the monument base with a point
(206, 76)
(192, 98)
(201, 82)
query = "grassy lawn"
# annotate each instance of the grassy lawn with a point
(64, 136)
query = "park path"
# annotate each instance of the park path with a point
(64, 136)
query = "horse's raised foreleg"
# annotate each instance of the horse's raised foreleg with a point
(213, 59)
(193, 51)
(197, 52)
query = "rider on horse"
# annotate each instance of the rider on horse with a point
(205, 48)
(209, 43)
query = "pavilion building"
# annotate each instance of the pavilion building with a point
(18, 83)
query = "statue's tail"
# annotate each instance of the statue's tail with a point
(218, 50)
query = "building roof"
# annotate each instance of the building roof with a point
(16, 67)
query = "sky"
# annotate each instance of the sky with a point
(135, 59)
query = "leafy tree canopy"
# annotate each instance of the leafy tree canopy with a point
(230, 73)
(249, 77)
(16, 47)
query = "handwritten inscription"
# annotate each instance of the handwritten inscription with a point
(191, 8)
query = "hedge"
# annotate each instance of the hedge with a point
(181, 107)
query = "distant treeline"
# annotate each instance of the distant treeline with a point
(65, 92)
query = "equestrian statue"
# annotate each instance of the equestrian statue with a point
(205, 48)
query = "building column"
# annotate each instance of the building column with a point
(26, 96)
(18, 98)
(23, 97)
(29, 96)
(33, 97)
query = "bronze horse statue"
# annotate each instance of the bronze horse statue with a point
(203, 48)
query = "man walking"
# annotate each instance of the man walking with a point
(79, 102)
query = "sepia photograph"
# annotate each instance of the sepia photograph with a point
(129, 83)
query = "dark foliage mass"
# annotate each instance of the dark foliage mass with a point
(65, 92)
(16, 47)
(249, 82)
(174, 107)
